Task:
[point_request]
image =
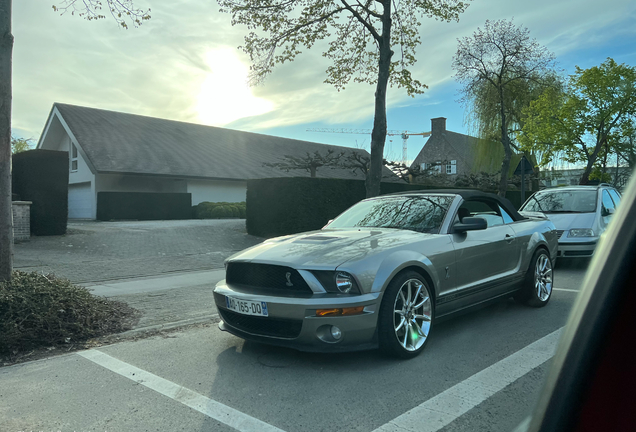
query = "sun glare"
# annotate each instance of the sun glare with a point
(224, 95)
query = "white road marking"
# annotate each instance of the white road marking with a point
(564, 289)
(447, 406)
(211, 408)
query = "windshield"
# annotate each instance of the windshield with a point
(565, 201)
(417, 213)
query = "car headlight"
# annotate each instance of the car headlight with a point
(344, 283)
(581, 232)
(338, 282)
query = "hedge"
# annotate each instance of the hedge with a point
(218, 210)
(41, 176)
(281, 206)
(143, 206)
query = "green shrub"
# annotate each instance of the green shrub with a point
(218, 210)
(38, 311)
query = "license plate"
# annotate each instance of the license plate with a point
(246, 307)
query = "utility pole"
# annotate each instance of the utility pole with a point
(6, 218)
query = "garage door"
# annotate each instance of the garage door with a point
(80, 201)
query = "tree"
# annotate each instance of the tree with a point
(587, 120)
(18, 145)
(500, 68)
(310, 162)
(361, 34)
(6, 216)
(121, 10)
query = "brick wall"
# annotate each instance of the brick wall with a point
(21, 220)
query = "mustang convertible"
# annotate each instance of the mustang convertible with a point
(382, 272)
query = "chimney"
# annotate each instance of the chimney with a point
(438, 125)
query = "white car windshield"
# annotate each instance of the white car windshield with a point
(565, 201)
(417, 213)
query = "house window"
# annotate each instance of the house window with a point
(451, 167)
(73, 157)
(438, 167)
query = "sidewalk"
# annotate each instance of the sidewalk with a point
(165, 269)
(166, 301)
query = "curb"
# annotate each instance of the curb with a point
(169, 326)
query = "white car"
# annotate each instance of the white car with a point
(579, 213)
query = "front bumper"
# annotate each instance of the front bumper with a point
(292, 321)
(580, 249)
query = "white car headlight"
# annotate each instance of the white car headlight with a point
(344, 282)
(581, 232)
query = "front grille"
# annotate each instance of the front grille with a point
(559, 233)
(266, 276)
(262, 326)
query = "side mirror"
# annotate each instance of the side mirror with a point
(470, 224)
(607, 211)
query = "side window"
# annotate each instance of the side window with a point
(615, 196)
(451, 167)
(73, 157)
(483, 209)
(506, 217)
(607, 200)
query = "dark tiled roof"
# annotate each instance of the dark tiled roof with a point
(116, 142)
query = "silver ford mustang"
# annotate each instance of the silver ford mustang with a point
(383, 271)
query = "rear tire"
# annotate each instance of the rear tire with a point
(406, 316)
(537, 286)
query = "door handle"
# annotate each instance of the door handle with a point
(509, 238)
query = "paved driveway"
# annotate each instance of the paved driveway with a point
(99, 251)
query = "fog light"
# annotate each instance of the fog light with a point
(336, 333)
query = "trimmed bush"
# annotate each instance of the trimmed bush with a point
(143, 206)
(282, 206)
(39, 311)
(218, 210)
(41, 176)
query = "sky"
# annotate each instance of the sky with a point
(183, 64)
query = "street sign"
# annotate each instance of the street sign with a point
(524, 167)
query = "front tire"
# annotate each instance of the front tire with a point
(406, 316)
(537, 287)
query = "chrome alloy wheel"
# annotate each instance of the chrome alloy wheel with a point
(543, 277)
(412, 314)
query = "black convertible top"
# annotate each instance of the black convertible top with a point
(469, 194)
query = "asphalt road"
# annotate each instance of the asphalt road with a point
(480, 372)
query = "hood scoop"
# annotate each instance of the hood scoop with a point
(317, 238)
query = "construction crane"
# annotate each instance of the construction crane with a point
(404, 134)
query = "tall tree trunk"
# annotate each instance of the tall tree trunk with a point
(505, 141)
(591, 160)
(6, 219)
(378, 135)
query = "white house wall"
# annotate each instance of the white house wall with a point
(217, 191)
(133, 183)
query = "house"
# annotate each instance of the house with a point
(451, 153)
(118, 152)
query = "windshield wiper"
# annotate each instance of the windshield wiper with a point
(567, 211)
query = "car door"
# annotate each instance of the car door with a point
(485, 259)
